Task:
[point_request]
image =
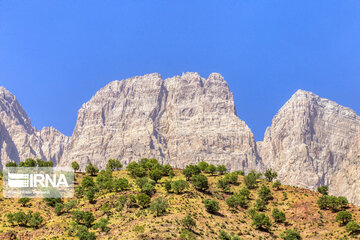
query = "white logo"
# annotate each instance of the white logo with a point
(17, 180)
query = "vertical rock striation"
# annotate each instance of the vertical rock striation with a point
(309, 143)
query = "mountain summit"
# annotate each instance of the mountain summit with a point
(185, 119)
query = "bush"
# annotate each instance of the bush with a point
(260, 205)
(278, 215)
(156, 174)
(87, 182)
(251, 180)
(203, 165)
(120, 184)
(343, 217)
(224, 185)
(261, 221)
(11, 164)
(159, 206)
(91, 169)
(211, 205)
(191, 170)
(121, 201)
(232, 177)
(167, 186)
(143, 200)
(179, 186)
(221, 169)
(291, 234)
(113, 164)
(148, 189)
(244, 192)
(90, 194)
(83, 217)
(105, 180)
(84, 234)
(331, 202)
(324, 190)
(200, 182)
(102, 224)
(276, 184)
(58, 209)
(270, 175)
(237, 200)
(264, 193)
(24, 201)
(188, 222)
(211, 169)
(30, 219)
(352, 227)
(168, 171)
(75, 166)
(185, 234)
(132, 200)
(224, 235)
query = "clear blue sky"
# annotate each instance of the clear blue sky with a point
(54, 55)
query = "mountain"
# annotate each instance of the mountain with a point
(185, 119)
(312, 142)
(180, 120)
(20, 140)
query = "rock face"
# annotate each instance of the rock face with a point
(186, 119)
(180, 120)
(19, 140)
(313, 141)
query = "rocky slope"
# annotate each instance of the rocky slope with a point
(312, 142)
(19, 140)
(180, 120)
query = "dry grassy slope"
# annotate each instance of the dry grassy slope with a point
(300, 208)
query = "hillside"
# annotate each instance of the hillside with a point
(133, 222)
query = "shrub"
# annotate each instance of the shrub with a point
(278, 215)
(211, 169)
(90, 194)
(102, 224)
(105, 180)
(140, 182)
(91, 169)
(211, 205)
(188, 222)
(252, 212)
(352, 227)
(132, 200)
(224, 235)
(331, 202)
(261, 221)
(11, 164)
(121, 201)
(324, 190)
(30, 219)
(143, 200)
(87, 182)
(84, 234)
(75, 166)
(244, 192)
(167, 186)
(251, 180)
(191, 170)
(58, 209)
(224, 185)
(203, 165)
(83, 217)
(260, 205)
(185, 234)
(156, 174)
(159, 206)
(28, 163)
(113, 164)
(270, 175)
(221, 169)
(148, 189)
(24, 201)
(120, 184)
(276, 184)
(179, 186)
(52, 201)
(168, 171)
(237, 200)
(291, 234)
(264, 193)
(343, 217)
(200, 182)
(232, 177)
